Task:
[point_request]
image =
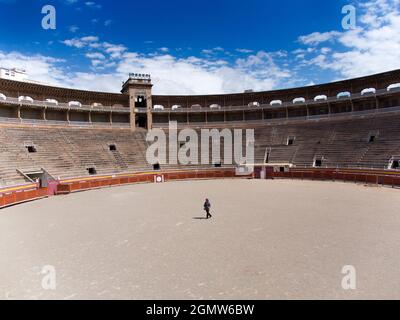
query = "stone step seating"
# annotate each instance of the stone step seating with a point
(69, 152)
(340, 143)
(66, 152)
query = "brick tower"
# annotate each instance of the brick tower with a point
(139, 86)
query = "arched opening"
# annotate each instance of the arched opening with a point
(215, 106)
(275, 103)
(394, 86)
(368, 91)
(53, 102)
(344, 94)
(394, 163)
(321, 97)
(318, 162)
(176, 107)
(91, 171)
(158, 107)
(25, 99)
(253, 104)
(141, 102)
(141, 121)
(299, 100)
(75, 104)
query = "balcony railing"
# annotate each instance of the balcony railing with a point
(66, 123)
(287, 104)
(285, 120)
(62, 106)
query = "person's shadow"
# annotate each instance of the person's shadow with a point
(199, 218)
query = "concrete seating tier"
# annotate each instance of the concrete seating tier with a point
(69, 152)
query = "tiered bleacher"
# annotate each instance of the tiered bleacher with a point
(67, 133)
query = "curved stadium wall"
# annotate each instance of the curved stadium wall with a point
(82, 139)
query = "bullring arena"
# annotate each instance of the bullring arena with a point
(268, 239)
(78, 195)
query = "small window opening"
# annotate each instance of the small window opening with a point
(372, 138)
(92, 170)
(290, 141)
(31, 149)
(281, 169)
(217, 165)
(156, 167)
(112, 147)
(318, 162)
(395, 164)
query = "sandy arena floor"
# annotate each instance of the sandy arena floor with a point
(267, 239)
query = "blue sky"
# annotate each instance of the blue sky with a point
(200, 47)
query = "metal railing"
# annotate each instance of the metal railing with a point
(61, 106)
(287, 104)
(65, 123)
(284, 120)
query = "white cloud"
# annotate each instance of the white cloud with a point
(73, 28)
(115, 50)
(316, 38)
(373, 47)
(90, 39)
(242, 50)
(92, 4)
(95, 55)
(194, 75)
(171, 75)
(40, 68)
(74, 43)
(81, 42)
(325, 50)
(212, 51)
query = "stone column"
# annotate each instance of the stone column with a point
(149, 101)
(132, 101)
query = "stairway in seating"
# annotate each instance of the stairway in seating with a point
(119, 161)
(363, 154)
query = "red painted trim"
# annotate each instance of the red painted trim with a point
(15, 195)
(380, 177)
(74, 185)
(20, 196)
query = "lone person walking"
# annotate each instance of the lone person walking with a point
(207, 206)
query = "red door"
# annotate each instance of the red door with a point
(52, 187)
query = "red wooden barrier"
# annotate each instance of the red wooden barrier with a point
(14, 195)
(73, 185)
(382, 177)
